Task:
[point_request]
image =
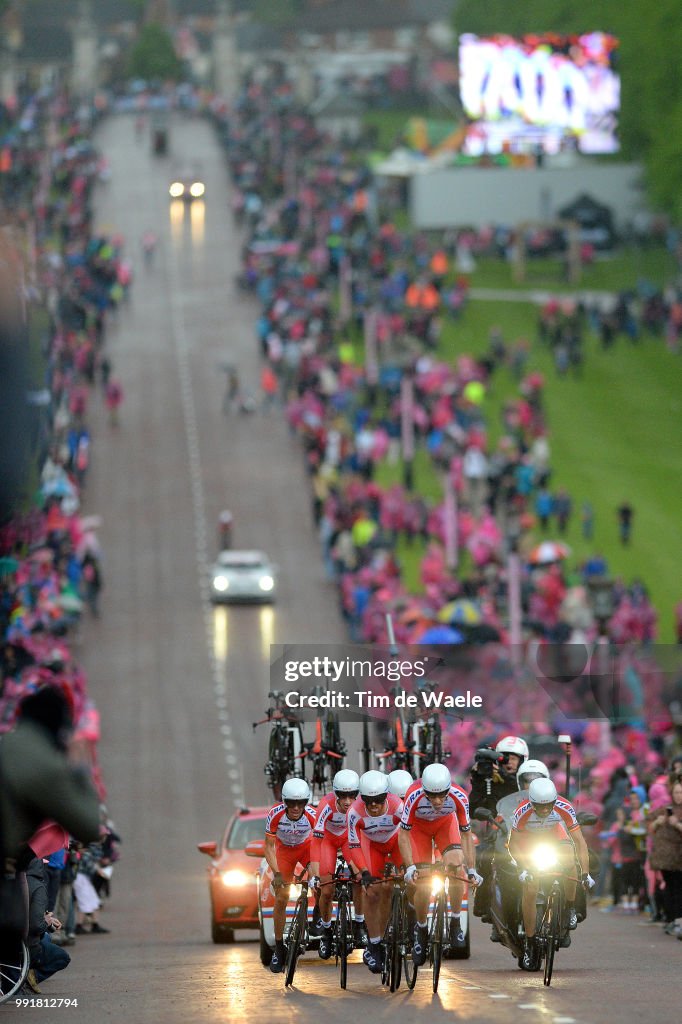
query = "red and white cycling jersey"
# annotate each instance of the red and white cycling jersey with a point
(378, 830)
(286, 831)
(329, 818)
(561, 818)
(419, 808)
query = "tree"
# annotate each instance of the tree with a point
(153, 55)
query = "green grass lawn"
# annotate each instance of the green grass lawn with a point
(390, 125)
(615, 434)
(610, 272)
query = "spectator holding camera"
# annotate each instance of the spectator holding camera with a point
(493, 774)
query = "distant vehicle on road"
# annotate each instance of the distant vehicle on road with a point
(243, 576)
(187, 183)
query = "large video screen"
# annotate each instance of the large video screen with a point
(548, 91)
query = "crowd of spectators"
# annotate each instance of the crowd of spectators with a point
(331, 270)
(50, 556)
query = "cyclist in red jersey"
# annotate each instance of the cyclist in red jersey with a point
(373, 822)
(330, 835)
(436, 816)
(288, 837)
(545, 815)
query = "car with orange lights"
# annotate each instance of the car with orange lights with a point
(232, 885)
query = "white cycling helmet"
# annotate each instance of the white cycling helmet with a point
(346, 781)
(399, 781)
(513, 745)
(373, 783)
(295, 789)
(530, 770)
(542, 791)
(436, 778)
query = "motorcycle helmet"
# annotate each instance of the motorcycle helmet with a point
(436, 779)
(295, 789)
(530, 770)
(399, 781)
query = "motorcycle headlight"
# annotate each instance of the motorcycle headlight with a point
(197, 189)
(176, 189)
(235, 878)
(545, 857)
(266, 583)
(221, 583)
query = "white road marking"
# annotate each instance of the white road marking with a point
(179, 332)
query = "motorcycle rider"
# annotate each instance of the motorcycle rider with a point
(493, 777)
(526, 773)
(546, 815)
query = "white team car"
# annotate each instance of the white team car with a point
(243, 576)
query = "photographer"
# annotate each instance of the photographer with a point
(493, 774)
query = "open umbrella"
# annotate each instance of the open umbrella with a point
(461, 612)
(547, 552)
(440, 635)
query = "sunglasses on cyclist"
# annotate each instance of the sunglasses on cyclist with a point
(373, 799)
(350, 794)
(437, 795)
(296, 803)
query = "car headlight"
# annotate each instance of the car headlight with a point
(545, 857)
(235, 878)
(266, 583)
(196, 189)
(294, 892)
(436, 885)
(176, 189)
(221, 583)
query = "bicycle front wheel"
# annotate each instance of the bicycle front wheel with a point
(409, 966)
(343, 926)
(296, 936)
(394, 954)
(14, 964)
(436, 943)
(552, 934)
